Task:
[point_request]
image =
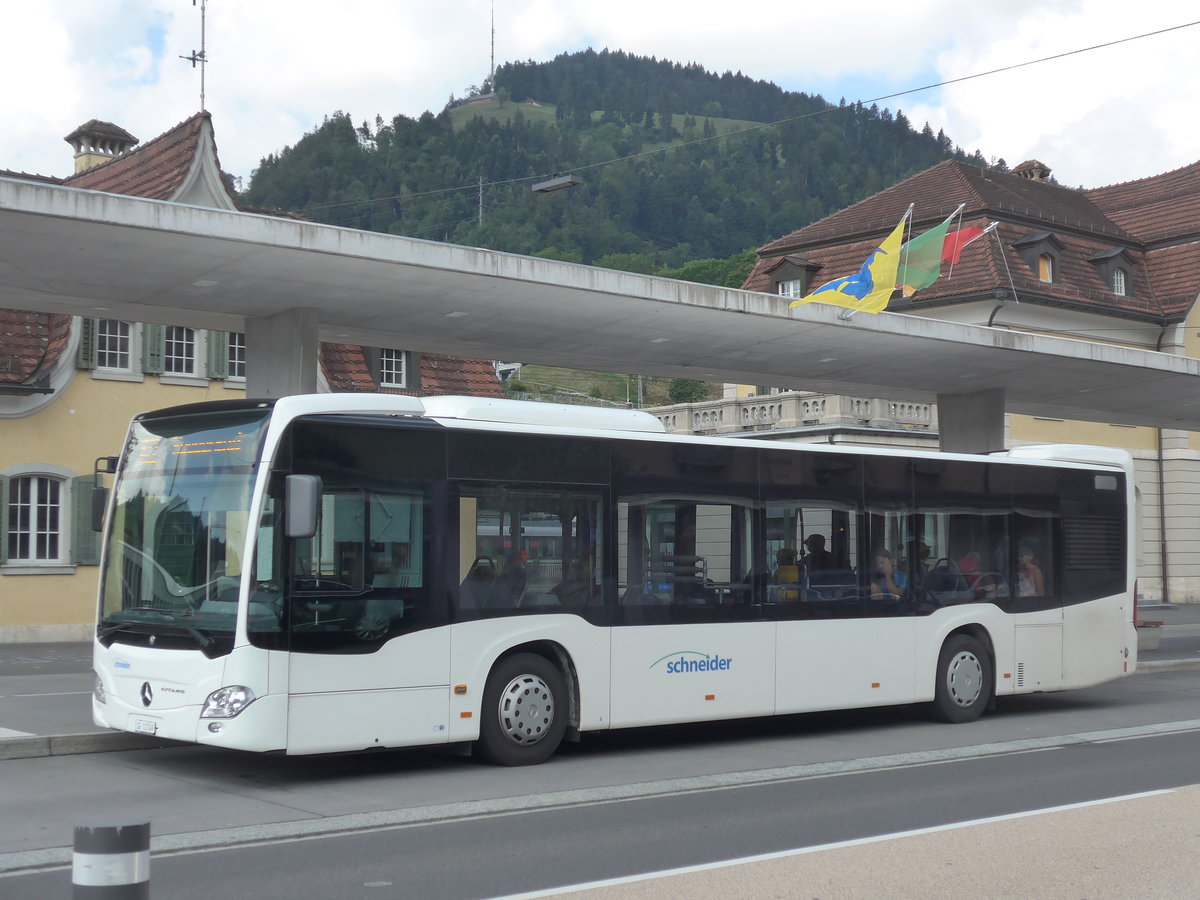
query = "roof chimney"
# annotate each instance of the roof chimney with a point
(97, 142)
(1032, 170)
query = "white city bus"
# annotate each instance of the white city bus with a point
(343, 572)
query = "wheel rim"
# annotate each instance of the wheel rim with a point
(964, 678)
(526, 710)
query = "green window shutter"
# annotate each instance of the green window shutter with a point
(412, 370)
(3, 519)
(218, 354)
(153, 345)
(87, 343)
(85, 543)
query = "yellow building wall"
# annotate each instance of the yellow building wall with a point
(1025, 429)
(87, 419)
(1191, 348)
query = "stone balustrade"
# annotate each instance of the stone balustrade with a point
(795, 410)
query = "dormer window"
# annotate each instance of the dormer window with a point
(792, 276)
(1114, 268)
(392, 368)
(1042, 253)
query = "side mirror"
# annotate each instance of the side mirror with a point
(99, 504)
(303, 502)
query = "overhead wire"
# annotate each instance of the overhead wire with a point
(474, 186)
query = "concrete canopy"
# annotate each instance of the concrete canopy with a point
(86, 253)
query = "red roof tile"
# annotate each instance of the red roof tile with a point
(442, 374)
(1159, 208)
(30, 344)
(346, 369)
(156, 169)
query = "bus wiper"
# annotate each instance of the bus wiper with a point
(203, 640)
(112, 629)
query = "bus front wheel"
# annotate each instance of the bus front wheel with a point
(524, 711)
(964, 680)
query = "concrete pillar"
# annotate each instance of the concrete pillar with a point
(281, 354)
(971, 423)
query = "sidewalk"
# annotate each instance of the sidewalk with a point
(46, 689)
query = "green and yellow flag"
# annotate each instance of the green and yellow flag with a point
(921, 258)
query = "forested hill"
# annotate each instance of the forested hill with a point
(674, 168)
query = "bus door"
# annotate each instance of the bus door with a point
(689, 642)
(366, 667)
(846, 631)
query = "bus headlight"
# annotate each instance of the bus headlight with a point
(227, 702)
(98, 689)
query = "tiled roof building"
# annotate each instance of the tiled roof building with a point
(70, 384)
(1147, 228)
(182, 165)
(1117, 264)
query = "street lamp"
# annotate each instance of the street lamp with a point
(557, 183)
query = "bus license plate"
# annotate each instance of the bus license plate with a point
(145, 726)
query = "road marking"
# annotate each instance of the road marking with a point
(220, 839)
(818, 848)
(9, 733)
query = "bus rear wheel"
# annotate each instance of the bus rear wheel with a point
(964, 680)
(524, 711)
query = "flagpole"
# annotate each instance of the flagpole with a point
(957, 212)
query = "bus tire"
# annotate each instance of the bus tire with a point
(524, 711)
(963, 688)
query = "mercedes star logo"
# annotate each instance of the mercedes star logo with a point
(147, 693)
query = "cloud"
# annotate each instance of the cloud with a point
(277, 67)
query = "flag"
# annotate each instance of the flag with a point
(921, 258)
(870, 288)
(957, 240)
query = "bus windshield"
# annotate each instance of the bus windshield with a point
(174, 562)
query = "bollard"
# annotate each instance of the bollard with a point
(111, 861)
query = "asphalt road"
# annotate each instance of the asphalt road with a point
(845, 815)
(832, 800)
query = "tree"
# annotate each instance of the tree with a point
(687, 390)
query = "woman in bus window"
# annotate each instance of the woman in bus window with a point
(886, 582)
(1030, 581)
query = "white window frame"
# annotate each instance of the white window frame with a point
(235, 350)
(793, 289)
(389, 361)
(1120, 282)
(123, 338)
(60, 564)
(179, 349)
(196, 376)
(132, 371)
(1045, 268)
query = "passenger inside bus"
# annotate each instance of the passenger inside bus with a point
(516, 577)
(576, 588)
(887, 583)
(817, 558)
(1030, 581)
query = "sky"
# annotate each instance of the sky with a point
(276, 68)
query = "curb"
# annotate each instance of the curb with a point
(1165, 665)
(36, 746)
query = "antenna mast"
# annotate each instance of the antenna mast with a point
(199, 57)
(492, 68)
